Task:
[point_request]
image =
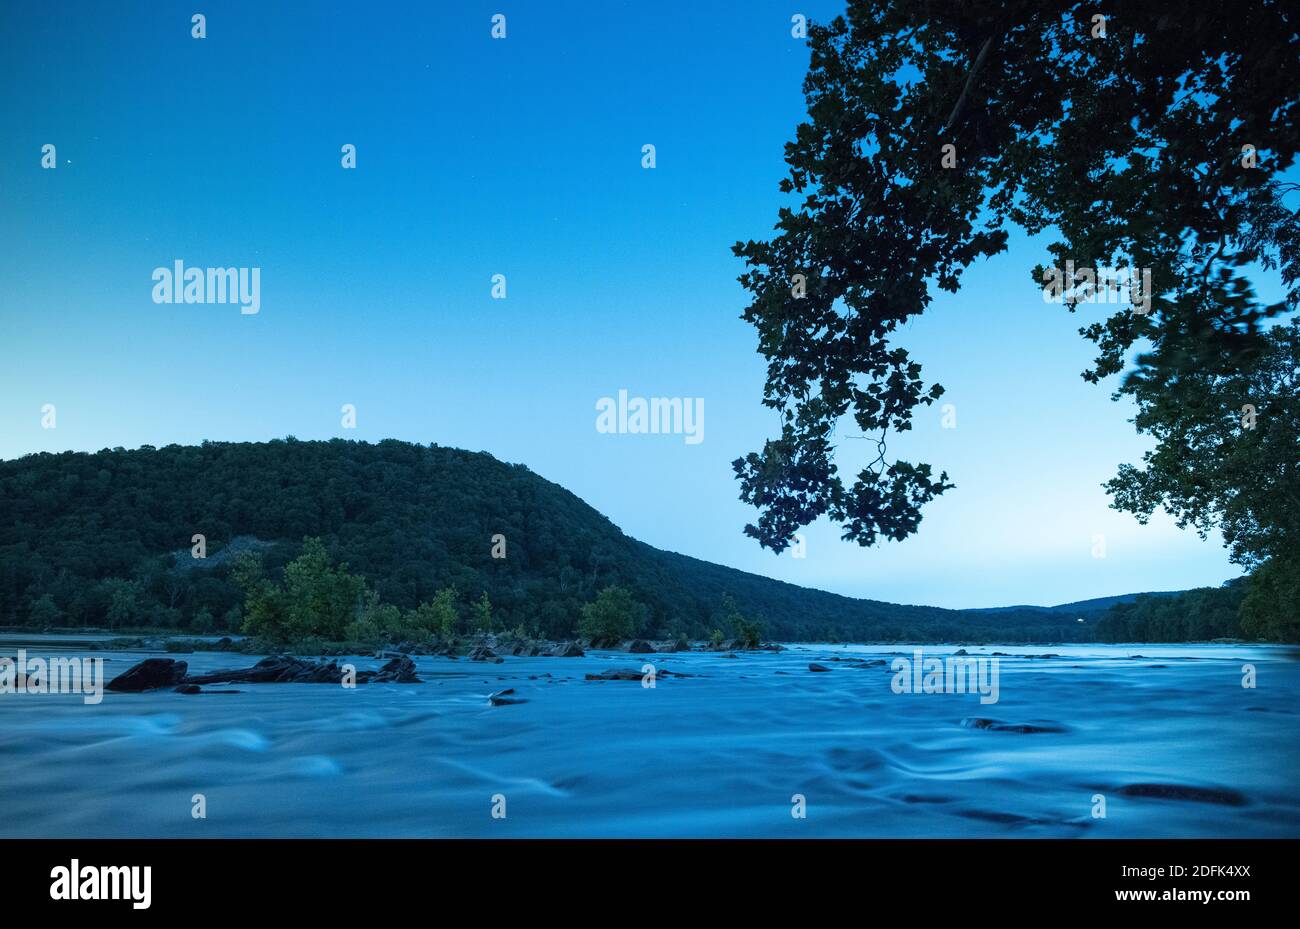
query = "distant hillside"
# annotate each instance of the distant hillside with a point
(1081, 607)
(104, 539)
(1103, 604)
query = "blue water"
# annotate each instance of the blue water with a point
(721, 753)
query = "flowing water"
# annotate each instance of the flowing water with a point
(1166, 737)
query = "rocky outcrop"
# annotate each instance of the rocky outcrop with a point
(276, 669)
(679, 645)
(640, 647)
(518, 647)
(401, 670)
(150, 674)
(566, 650)
(153, 673)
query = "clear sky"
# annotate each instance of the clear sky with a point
(478, 156)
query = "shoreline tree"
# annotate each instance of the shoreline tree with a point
(613, 616)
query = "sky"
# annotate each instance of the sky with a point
(519, 157)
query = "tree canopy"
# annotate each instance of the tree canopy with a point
(1145, 136)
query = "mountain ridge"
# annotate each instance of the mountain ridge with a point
(91, 538)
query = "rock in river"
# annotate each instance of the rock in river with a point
(617, 674)
(153, 673)
(1224, 796)
(401, 670)
(149, 674)
(505, 698)
(996, 725)
(631, 674)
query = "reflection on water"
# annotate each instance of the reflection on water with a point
(1165, 734)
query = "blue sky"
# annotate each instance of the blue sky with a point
(519, 157)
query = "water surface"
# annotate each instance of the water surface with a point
(1166, 735)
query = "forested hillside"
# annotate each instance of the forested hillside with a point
(1191, 616)
(105, 539)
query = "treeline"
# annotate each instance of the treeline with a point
(107, 539)
(315, 600)
(1251, 607)
(1191, 616)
